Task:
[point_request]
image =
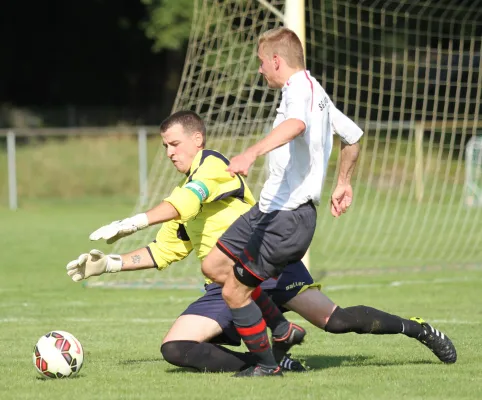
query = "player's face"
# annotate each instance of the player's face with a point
(268, 67)
(180, 147)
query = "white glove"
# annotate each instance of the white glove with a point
(93, 264)
(118, 229)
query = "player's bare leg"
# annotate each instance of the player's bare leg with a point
(193, 327)
(313, 306)
(247, 316)
(218, 267)
(249, 323)
(285, 334)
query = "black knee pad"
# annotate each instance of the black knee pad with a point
(175, 352)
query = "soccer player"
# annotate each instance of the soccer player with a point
(197, 212)
(279, 230)
(193, 340)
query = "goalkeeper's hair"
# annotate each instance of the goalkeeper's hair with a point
(285, 43)
(189, 120)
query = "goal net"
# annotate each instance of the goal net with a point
(409, 73)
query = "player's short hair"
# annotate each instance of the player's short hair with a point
(285, 43)
(189, 120)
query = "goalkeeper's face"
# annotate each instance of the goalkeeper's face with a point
(181, 147)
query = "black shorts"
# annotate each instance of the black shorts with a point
(295, 278)
(262, 244)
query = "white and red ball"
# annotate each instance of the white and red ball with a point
(58, 354)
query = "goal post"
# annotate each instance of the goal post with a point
(408, 73)
(473, 172)
(294, 19)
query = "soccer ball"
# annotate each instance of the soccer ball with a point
(58, 354)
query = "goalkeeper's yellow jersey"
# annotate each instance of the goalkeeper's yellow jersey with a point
(209, 200)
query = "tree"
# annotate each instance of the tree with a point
(169, 23)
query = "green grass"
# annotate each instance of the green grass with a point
(121, 330)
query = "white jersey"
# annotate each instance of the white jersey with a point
(298, 168)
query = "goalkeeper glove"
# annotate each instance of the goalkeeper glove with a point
(93, 264)
(118, 229)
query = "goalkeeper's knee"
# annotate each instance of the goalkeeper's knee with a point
(175, 352)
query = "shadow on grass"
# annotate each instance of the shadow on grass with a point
(157, 361)
(141, 361)
(183, 370)
(323, 362)
(313, 362)
(47, 379)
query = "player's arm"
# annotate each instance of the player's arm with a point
(118, 229)
(172, 244)
(350, 135)
(95, 263)
(298, 101)
(137, 260)
(282, 134)
(348, 158)
(163, 212)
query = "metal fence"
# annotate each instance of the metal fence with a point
(12, 135)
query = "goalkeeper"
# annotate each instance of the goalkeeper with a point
(197, 212)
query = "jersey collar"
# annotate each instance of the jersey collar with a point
(195, 162)
(303, 74)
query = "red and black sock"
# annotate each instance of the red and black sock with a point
(251, 326)
(274, 318)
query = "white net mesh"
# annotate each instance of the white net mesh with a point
(409, 73)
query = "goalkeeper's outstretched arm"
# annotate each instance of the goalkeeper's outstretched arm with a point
(136, 260)
(116, 230)
(163, 212)
(168, 248)
(96, 263)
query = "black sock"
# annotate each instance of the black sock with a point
(205, 357)
(274, 318)
(363, 319)
(251, 326)
(411, 328)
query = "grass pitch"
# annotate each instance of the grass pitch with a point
(121, 330)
